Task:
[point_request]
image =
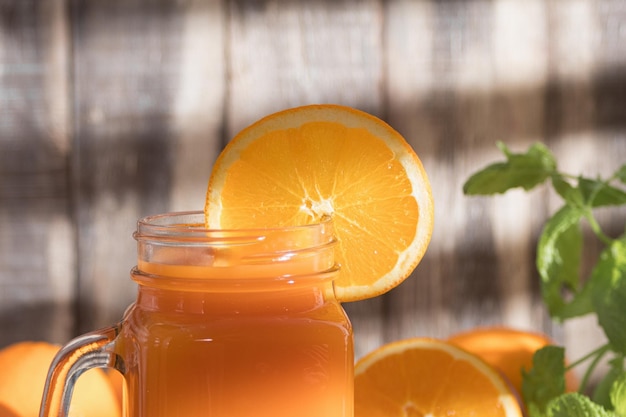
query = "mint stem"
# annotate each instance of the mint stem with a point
(591, 354)
(596, 228)
(598, 353)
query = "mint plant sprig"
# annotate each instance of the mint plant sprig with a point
(565, 292)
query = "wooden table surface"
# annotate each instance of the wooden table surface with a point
(113, 110)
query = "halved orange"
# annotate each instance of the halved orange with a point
(429, 377)
(296, 166)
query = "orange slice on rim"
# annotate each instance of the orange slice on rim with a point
(296, 166)
(428, 377)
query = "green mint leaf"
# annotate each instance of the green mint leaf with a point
(546, 380)
(621, 174)
(572, 195)
(534, 411)
(520, 170)
(597, 193)
(602, 392)
(588, 193)
(576, 405)
(504, 149)
(608, 293)
(618, 395)
(558, 263)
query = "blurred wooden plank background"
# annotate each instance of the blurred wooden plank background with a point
(112, 110)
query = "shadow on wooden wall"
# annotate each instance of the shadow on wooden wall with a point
(116, 110)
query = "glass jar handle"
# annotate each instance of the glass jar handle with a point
(91, 350)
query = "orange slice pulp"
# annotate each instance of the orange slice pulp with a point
(428, 377)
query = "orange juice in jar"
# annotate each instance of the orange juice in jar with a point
(230, 323)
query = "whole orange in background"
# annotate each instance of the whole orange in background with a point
(24, 368)
(508, 350)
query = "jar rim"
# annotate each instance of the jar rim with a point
(177, 245)
(189, 226)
